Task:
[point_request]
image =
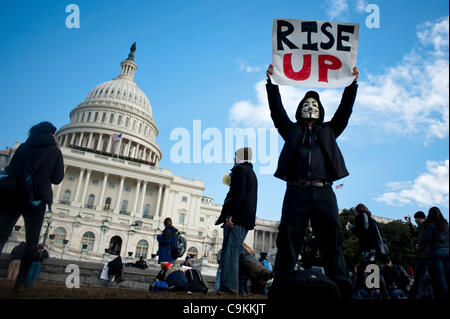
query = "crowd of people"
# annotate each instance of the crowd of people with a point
(428, 279)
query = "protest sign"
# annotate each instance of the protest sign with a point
(314, 53)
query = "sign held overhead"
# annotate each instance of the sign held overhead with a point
(314, 53)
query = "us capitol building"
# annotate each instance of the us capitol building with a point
(115, 197)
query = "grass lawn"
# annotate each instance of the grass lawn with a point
(46, 290)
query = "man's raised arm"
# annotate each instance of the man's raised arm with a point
(340, 118)
(277, 111)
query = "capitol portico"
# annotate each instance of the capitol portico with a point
(114, 196)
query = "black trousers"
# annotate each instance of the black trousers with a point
(33, 219)
(318, 205)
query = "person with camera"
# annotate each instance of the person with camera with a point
(369, 236)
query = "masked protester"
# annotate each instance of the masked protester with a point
(40, 158)
(309, 163)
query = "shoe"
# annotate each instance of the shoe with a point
(223, 291)
(120, 279)
(20, 286)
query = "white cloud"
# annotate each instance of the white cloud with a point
(336, 8)
(409, 98)
(361, 5)
(246, 67)
(429, 189)
(258, 114)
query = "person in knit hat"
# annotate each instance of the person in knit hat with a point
(309, 163)
(238, 217)
(40, 158)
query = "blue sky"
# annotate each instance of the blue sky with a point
(206, 60)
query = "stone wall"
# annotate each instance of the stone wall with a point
(54, 270)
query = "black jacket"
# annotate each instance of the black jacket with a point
(327, 132)
(115, 266)
(39, 156)
(417, 237)
(17, 252)
(395, 276)
(240, 202)
(366, 231)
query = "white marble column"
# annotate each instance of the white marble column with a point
(144, 189)
(81, 139)
(58, 190)
(80, 177)
(119, 145)
(158, 200)
(119, 197)
(62, 139)
(127, 150)
(102, 194)
(90, 140)
(72, 139)
(165, 198)
(108, 148)
(100, 142)
(136, 196)
(86, 184)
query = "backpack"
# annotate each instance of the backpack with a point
(305, 285)
(267, 264)
(159, 284)
(179, 246)
(18, 188)
(177, 281)
(195, 280)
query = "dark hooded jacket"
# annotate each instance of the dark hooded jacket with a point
(327, 132)
(18, 251)
(39, 156)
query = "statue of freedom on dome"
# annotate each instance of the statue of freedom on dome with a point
(132, 50)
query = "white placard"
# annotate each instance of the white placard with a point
(314, 53)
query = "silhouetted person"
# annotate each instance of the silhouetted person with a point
(40, 157)
(141, 263)
(238, 217)
(436, 243)
(420, 252)
(15, 258)
(36, 265)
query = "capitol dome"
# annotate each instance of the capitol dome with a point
(115, 119)
(121, 88)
